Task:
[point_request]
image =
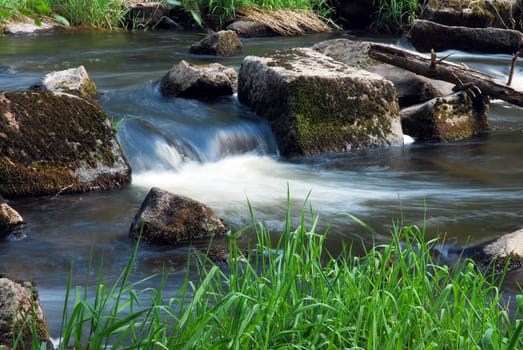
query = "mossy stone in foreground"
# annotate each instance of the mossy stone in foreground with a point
(316, 104)
(51, 143)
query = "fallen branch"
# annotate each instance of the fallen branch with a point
(452, 73)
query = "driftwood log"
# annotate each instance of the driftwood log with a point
(435, 68)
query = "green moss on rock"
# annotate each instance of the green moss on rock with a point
(45, 138)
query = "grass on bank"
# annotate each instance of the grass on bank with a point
(393, 16)
(291, 294)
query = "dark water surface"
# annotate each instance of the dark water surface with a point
(469, 191)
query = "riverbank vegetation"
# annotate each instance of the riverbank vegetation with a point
(390, 15)
(291, 294)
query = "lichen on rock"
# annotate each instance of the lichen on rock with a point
(51, 142)
(316, 104)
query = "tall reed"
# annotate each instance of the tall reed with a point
(291, 294)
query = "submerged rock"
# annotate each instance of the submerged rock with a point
(166, 218)
(73, 81)
(18, 303)
(10, 219)
(315, 104)
(222, 43)
(449, 118)
(53, 143)
(199, 81)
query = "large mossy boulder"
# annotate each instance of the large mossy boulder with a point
(51, 143)
(454, 117)
(21, 316)
(315, 104)
(169, 219)
(198, 81)
(471, 13)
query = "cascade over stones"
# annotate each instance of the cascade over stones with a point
(51, 143)
(315, 104)
(166, 218)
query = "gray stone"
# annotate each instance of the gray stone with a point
(426, 35)
(55, 143)
(30, 28)
(411, 88)
(199, 81)
(19, 302)
(166, 218)
(353, 53)
(449, 118)
(222, 43)
(73, 81)
(250, 29)
(471, 13)
(315, 104)
(10, 219)
(507, 249)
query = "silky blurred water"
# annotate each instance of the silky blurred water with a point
(222, 154)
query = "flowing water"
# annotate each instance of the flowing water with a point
(220, 153)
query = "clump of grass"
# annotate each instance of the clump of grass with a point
(394, 15)
(292, 294)
(109, 14)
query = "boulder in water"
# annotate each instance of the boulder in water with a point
(19, 303)
(198, 81)
(73, 81)
(53, 143)
(10, 219)
(449, 118)
(166, 218)
(315, 104)
(222, 43)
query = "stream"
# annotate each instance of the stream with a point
(468, 191)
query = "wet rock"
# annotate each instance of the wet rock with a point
(411, 88)
(449, 118)
(426, 35)
(10, 219)
(166, 218)
(353, 53)
(73, 81)
(55, 143)
(222, 43)
(315, 104)
(507, 249)
(30, 28)
(199, 81)
(470, 13)
(18, 303)
(250, 29)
